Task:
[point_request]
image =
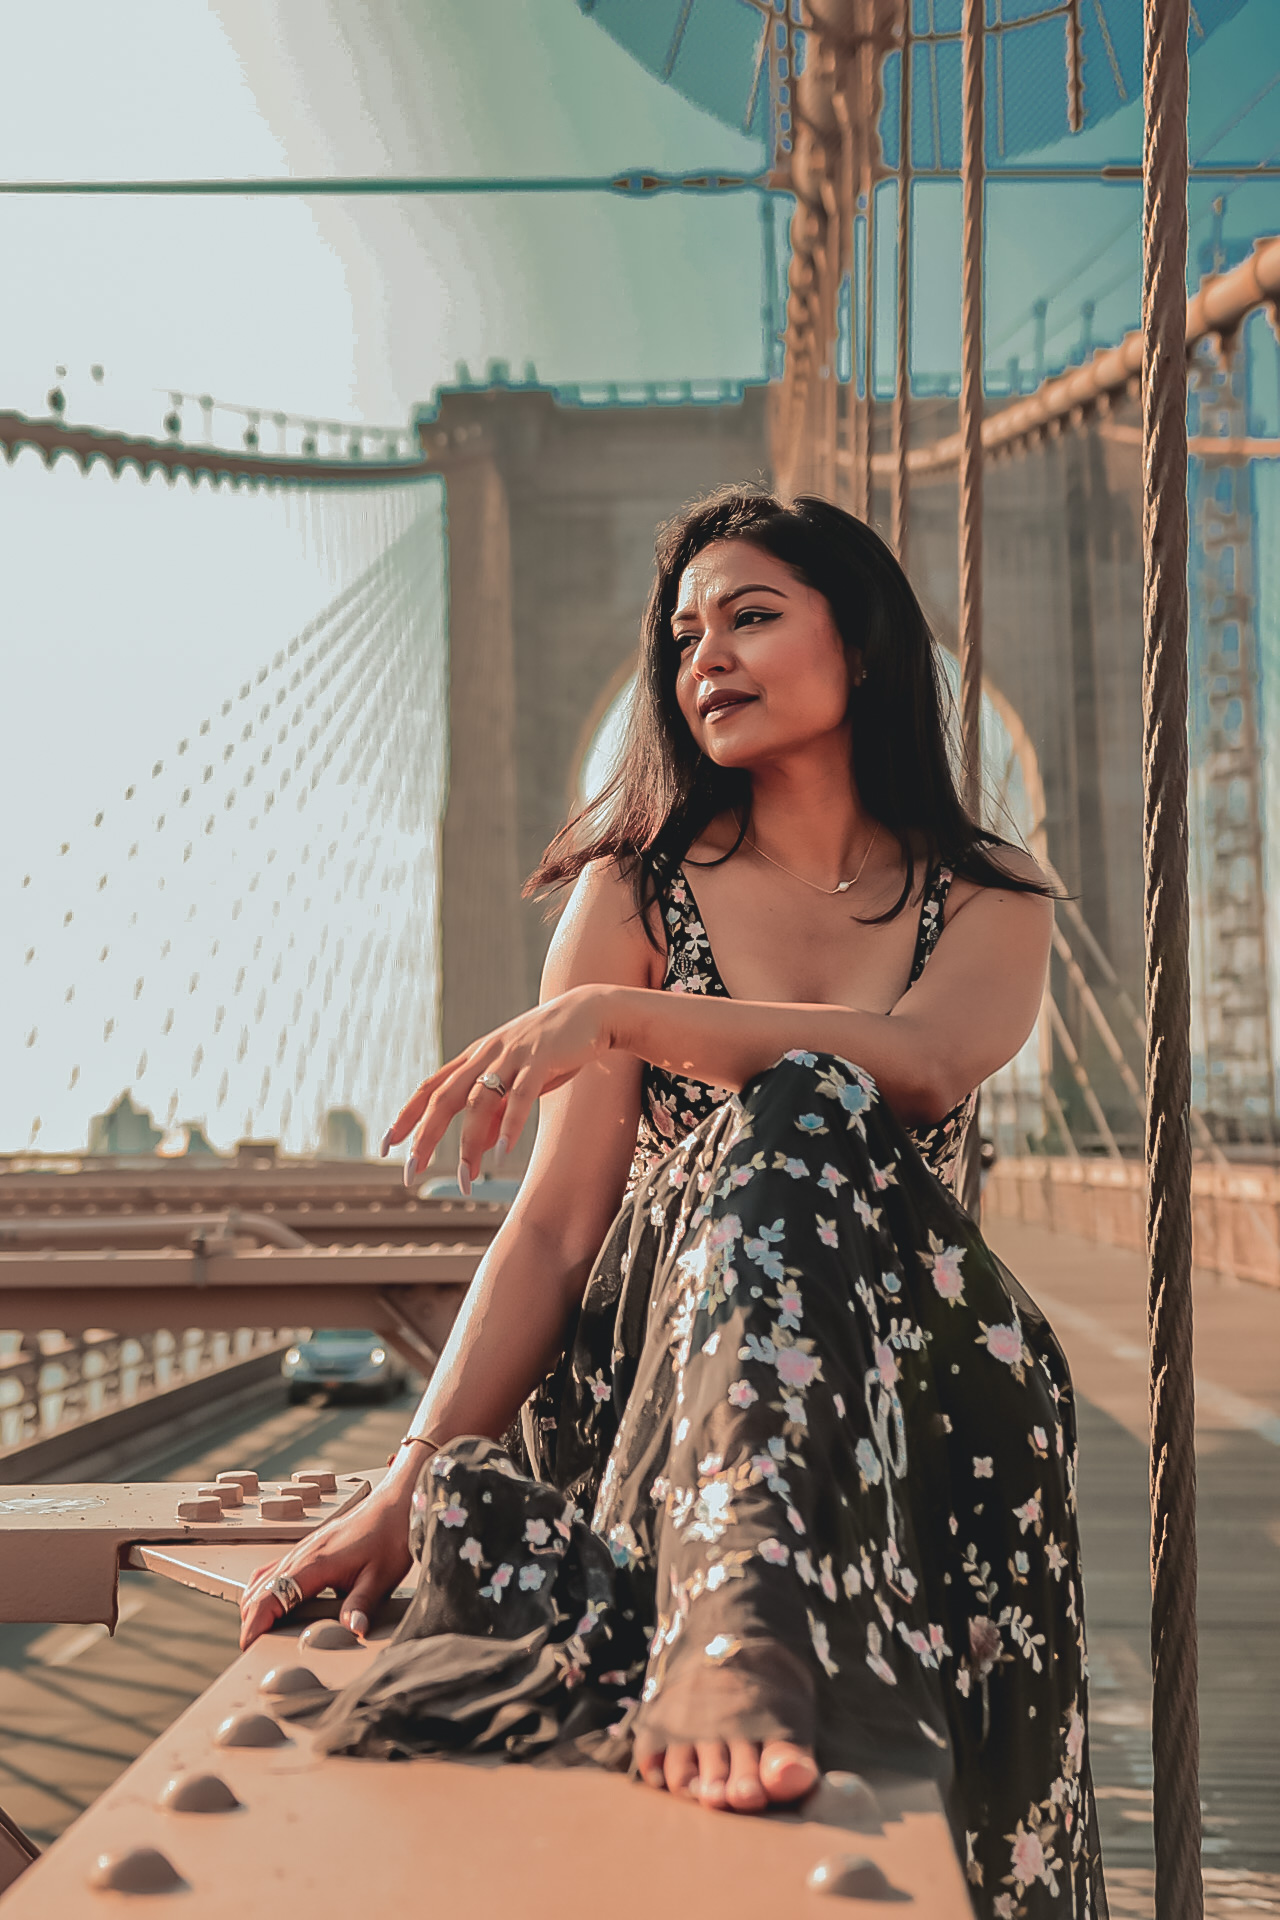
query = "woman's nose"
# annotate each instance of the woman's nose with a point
(712, 654)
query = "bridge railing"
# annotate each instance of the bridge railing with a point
(52, 1382)
(1235, 1208)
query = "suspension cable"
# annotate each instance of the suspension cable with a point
(974, 170)
(1179, 1889)
(902, 386)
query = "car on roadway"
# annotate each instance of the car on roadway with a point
(344, 1360)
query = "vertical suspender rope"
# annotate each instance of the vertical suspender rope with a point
(847, 198)
(870, 62)
(902, 385)
(973, 168)
(1179, 1893)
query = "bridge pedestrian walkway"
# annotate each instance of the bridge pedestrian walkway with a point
(1096, 1298)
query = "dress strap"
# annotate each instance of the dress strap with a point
(691, 965)
(936, 888)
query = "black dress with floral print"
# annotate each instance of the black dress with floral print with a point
(671, 1107)
(805, 1471)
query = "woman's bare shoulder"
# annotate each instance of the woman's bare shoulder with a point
(601, 935)
(1020, 866)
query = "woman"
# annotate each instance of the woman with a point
(824, 1442)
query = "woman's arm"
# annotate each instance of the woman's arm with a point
(511, 1326)
(968, 1014)
(513, 1322)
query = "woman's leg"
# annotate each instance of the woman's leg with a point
(779, 1371)
(864, 1544)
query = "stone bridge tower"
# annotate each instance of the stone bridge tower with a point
(551, 510)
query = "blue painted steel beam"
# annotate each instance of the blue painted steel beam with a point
(640, 184)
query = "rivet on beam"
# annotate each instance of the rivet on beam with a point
(198, 1793)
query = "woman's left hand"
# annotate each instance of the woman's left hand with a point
(529, 1056)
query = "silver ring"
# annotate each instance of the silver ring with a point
(493, 1083)
(284, 1588)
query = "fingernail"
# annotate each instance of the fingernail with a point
(410, 1171)
(358, 1622)
(464, 1179)
(503, 1147)
(385, 1147)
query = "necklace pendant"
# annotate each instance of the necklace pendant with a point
(844, 886)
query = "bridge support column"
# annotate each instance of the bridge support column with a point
(482, 949)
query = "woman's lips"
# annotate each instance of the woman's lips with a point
(728, 706)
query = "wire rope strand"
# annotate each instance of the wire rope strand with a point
(970, 500)
(1179, 1891)
(902, 384)
(867, 481)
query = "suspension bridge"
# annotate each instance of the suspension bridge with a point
(304, 889)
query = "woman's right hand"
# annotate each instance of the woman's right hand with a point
(363, 1554)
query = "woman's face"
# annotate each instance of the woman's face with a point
(762, 669)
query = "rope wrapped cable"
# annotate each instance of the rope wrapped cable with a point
(974, 168)
(867, 483)
(1179, 1892)
(902, 383)
(846, 449)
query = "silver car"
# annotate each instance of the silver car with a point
(336, 1358)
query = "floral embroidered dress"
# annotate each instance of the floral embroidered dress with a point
(671, 1107)
(806, 1471)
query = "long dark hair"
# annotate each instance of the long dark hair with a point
(664, 792)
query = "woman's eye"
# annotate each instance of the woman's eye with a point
(753, 615)
(680, 641)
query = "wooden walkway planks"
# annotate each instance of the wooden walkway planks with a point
(1095, 1297)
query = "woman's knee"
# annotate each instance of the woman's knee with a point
(806, 1091)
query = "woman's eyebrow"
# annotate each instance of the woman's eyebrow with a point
(727, 599)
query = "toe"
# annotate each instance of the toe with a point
(680, 1768)
(744, 1792)
(651, 1766)
(787, 1772)
(713, 1772)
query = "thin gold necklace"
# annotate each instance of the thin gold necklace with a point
(842, 887)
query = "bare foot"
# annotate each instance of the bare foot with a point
(737, 1775)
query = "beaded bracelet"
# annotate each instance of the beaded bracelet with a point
(412, 1440)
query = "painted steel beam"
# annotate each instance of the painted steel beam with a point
(286, 1226)
(199, 1277)
(224, 1571)
(1219, 308)
(642, 182)
(331, 1837)
(408, 1295)
(62, 1547)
